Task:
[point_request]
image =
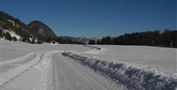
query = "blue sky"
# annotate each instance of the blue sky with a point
(96, 18)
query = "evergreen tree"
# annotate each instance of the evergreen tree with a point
(14, 38)
(7, 36)
(1, 33)
(168, 38)
(91, 41)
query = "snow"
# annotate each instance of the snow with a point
(9, 75)
(95, 51)
(12, 22)
(70, 75)
(13, 34)
(30, 38)
(163, 59)
(135, 77)
(22, 59)
(53, 43)
(25, 66)
(12, 50)
(37, 77)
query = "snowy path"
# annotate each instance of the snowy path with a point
(70, 75)
(53, 71)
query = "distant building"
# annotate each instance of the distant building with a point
(53, 43)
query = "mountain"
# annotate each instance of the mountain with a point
(75, 39)
(41, 31)
(12, 28)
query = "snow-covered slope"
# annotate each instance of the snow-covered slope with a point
(12, 34)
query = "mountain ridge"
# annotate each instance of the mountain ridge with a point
(12, 28)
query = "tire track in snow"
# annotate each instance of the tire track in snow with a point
(71, 76)
(19, 70)
(85, 75)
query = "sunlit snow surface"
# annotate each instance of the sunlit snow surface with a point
(25, 66)
(163, 59)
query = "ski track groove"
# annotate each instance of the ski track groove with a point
(18, 75)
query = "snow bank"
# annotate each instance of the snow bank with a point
(135, 77)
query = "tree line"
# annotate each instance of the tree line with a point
(167, 38)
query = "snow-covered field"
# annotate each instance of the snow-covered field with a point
(25, 66)
(163, 59)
